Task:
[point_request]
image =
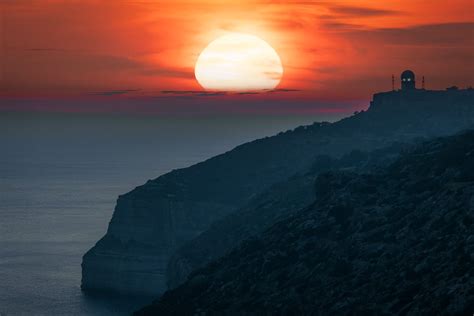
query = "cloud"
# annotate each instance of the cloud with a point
(353, 11)
(114, 92)
(283, 90)
(193, 93)
(221, 93)
(179, 92)
(48, 50)
(425, 35)
(332, 24)
(305, 15)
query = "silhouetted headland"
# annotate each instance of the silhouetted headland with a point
(163, 230)
(393, 241)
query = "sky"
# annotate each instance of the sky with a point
(140, 55)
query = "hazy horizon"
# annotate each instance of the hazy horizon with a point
(60, 175)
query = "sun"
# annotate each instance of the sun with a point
(238, 62)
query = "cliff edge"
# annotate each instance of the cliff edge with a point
(154, 220)
(394, 242)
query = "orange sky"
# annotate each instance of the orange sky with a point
(330, 50)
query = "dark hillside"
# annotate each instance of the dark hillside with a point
(399, 241)
(151, 222)
(262, 211)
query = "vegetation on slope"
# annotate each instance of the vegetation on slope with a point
(399, 241)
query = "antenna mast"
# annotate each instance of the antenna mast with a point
(393, 83)
(423, 83)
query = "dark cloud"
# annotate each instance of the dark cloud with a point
(179, 92)
(353, 11)
(334, 25)
(193, 93)
(248, 92)
(211, 94)
(114, 92)
(220, 93)
(48, 50)
(449, 34)
(345, 10)
(283, 90)
(326, 14)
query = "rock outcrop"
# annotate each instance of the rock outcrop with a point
(391, 242)
(154, 220)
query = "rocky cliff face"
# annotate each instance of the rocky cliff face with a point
(151, 222)
(145, 230)
(396, 241)
(262, 211)
(393, 115)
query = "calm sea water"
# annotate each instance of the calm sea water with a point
(60, 175)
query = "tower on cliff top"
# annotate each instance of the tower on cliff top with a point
(408, 80)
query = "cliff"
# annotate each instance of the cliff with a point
(395, 241)
(277, 202)
(399, 112)
(154, 220)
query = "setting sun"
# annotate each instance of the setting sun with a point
(238, 62)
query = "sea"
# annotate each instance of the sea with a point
(60, 176)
